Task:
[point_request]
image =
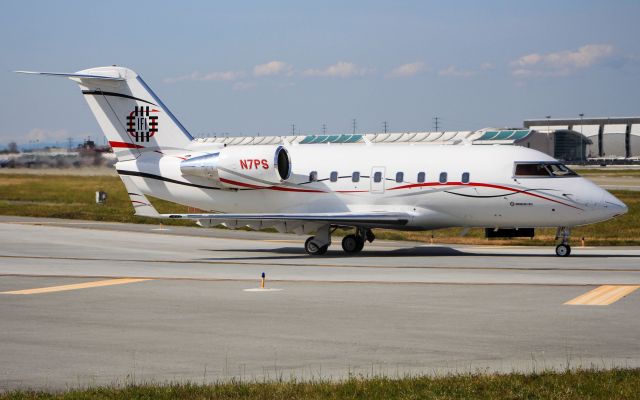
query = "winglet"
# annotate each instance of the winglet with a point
(141, 204)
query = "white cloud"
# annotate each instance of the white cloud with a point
(455, 71)
(341, 69)
(406, 70)
(561, 63)
(209, 76)
(273, 68)
(222, 76)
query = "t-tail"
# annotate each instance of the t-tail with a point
(131, 116)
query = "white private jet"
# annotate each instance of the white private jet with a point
(317, 187)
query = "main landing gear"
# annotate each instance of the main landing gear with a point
(317, 245)
(563, 249)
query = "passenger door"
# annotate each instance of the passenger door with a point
(377, 179)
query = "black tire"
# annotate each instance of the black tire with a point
(350, 244)
(563, 250)
(312, 249)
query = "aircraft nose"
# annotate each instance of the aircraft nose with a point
(614, 204)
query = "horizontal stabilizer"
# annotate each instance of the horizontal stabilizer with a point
(74, 75)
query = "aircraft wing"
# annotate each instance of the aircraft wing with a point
(144, 208)
(348, 218)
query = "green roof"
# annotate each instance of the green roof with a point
(307, 139)
(520, 134)
(313, 139)
(503, 135)
(488, 135)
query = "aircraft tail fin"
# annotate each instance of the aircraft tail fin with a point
(131, 116)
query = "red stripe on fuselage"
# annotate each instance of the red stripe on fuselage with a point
(413, 185)
(478, 184)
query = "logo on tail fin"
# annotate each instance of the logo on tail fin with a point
(142, 124)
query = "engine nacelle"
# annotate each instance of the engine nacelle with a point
(241, 166)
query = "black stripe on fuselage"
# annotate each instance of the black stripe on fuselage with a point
(114, 94)
(162, 178)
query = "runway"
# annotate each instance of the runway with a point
(85, 303)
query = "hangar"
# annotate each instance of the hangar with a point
(615, 138)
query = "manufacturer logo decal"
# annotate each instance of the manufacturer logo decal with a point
(142, 123)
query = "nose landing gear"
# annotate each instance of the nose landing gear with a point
(563, 249)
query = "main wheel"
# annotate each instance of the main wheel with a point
(563, 250)
(352, 244)
(313, 249)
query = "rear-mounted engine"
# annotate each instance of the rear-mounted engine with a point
(241, 166)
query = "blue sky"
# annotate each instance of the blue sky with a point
(257, 67)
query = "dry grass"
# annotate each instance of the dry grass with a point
(586, 384)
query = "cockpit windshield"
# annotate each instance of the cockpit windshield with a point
(543, 169)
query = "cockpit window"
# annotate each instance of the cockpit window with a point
(542, 169)
(560, 170)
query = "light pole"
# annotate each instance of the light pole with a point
(581, 138)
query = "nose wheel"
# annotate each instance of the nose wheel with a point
(563, 249)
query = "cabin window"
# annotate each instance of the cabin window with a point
(465, 177)
(333, 177)
(443, 177)
(313, 176)
(377, 177)
(355, 177)
(421, 177)
(399, 177)
(543, 169)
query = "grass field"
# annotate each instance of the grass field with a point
(609, 171)
(613, 384)
(73, 197)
